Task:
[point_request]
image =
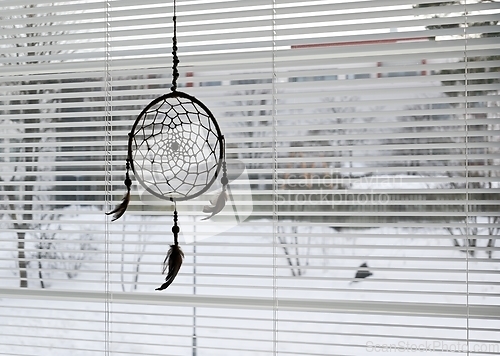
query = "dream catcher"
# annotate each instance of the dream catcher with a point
(176, 152)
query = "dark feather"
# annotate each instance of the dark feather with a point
(217, 203)
(173, 262)
(120, 209)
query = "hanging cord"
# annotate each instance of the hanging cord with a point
(225, 181)
(127, 181)
(108, 117)
(175, 228)
(218, 202)
(467, 173)
(275, 207)
(175, 60)
(120, 209)
(173, 261)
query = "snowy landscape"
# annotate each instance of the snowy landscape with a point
(147, 323)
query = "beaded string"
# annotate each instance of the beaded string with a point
(175, 60)
(224, 180)
(127, 181)
(175, 228)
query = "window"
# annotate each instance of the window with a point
(213, 83)
(313, 78)
(363, 215)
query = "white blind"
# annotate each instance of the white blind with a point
(359, 133)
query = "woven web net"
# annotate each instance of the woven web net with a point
(175, 147)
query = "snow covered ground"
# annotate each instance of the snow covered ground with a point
(239, 263)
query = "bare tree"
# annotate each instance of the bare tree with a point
(25, 160)
(467, 236)
(289, 239)
(255, 122)
(346, 127)
(479, 176)
(55, 250)
(140, 248)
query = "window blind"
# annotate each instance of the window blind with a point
(363, 157)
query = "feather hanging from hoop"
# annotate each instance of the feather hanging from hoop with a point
(120, 209)
(174, 258)
(176, 151)
(218, 202)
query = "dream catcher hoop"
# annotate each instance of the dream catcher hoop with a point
(175, 148)
(176, 152)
